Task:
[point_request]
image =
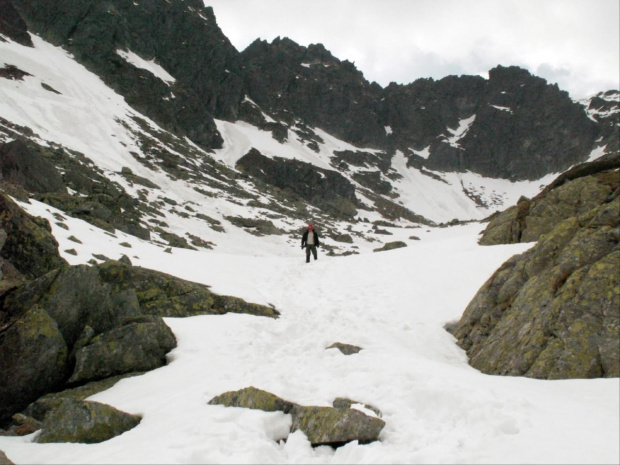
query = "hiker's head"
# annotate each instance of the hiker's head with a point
(310, 228)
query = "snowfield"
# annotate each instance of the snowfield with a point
(394, 305)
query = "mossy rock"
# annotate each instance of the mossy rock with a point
(44, 404)
(33, 355)
(228, 304)
(335, 426)
(552, 312)
(253, 398)
(572, 194)
(391, 246)
(346, 349)
(137, 346)
(30, 246)
(85, 422)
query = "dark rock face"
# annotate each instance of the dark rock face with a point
(184, 39)
(311, 84)
(324, 189)
(12, 25)
(603, 108)
(523, 129)
(29, 246)
(26, 168)
(518, 127)
(515, 125)
(553, 312)
(332, 426)
(33, 359)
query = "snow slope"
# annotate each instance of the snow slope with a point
(394, 305)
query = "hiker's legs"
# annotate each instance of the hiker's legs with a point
(307, 253)
(314, 251)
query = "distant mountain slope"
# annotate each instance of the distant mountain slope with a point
(513, 125)
(158, 127)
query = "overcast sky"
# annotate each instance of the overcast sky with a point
(574, 43)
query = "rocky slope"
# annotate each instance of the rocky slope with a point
(63, 326)
(554, 311)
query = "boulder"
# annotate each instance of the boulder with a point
(85, 422)
(253, 398)
(329, 426)
(33, 360)
(137, 346)
(4, 460)
(552, 312)
(50, 401)
(333, 426)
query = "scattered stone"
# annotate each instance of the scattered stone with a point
(391, 246)
(346, 349)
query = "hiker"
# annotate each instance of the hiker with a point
(310, 240)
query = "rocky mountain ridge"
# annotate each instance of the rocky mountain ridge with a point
(439, 132)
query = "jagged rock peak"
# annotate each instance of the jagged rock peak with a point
(285, 48)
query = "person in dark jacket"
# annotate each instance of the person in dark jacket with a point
(310, 240)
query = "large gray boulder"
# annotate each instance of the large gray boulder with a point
(33, 360)
(137, 346)
(29, 245)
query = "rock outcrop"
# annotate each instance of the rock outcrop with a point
(553, 312)
(29, 169)
(331, 426)
(13, 26)
(62, 326)
(325, 189)
(573, 193)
